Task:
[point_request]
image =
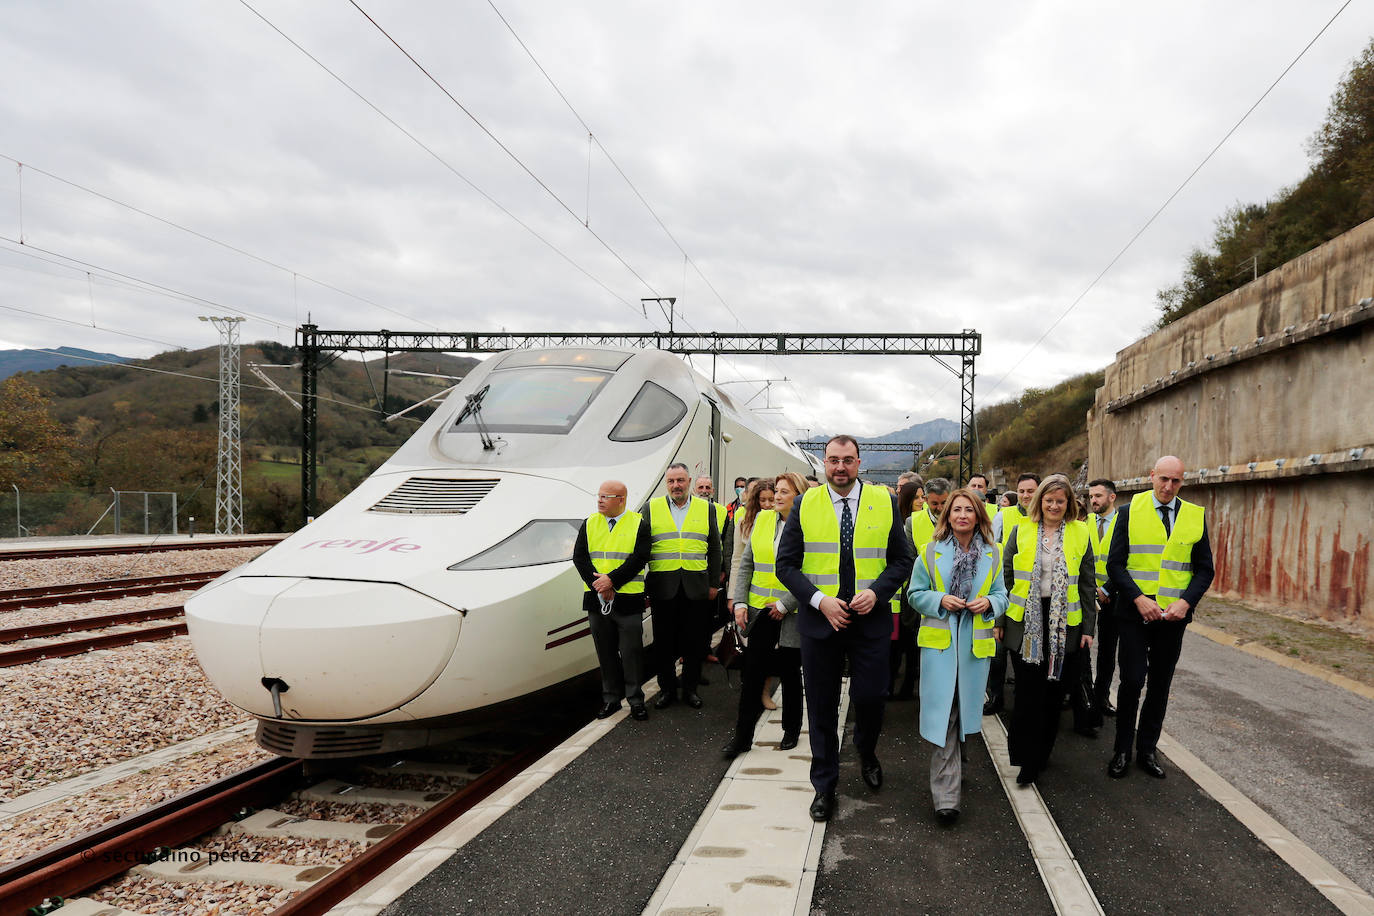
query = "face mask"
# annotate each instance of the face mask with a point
(738, 491)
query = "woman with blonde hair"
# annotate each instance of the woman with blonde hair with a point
(766, 612)
(956, 585)
(1050, 620)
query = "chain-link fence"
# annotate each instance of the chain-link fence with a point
(75, 513)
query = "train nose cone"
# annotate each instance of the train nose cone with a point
(344, 650)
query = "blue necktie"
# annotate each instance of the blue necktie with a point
(610, 524)
(846, 553)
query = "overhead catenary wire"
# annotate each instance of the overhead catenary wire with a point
(1170, 199)
(443, 162)
(687, 258)
(518, 161)
(214, 241)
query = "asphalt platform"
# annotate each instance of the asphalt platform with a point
(599, 836)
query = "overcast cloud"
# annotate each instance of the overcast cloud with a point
(878, 166)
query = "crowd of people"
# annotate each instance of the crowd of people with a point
(920, 594)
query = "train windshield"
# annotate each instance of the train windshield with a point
(534, 399)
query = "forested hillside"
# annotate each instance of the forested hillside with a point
(1336, 195)
(91, 429)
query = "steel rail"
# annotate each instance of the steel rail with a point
(327, 892)
(49, 595)
(68, 868)
(55, 553)
(81, 624)
(69, 647)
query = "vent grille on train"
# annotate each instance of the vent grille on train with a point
(304, 742)
(435, 496)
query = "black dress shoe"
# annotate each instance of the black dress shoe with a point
(734, 748)
(692, 700)
(823, 806)
(1117, 768)
(787, 743)
(637, 711)
(1106, 706)
(947, 816)
(1150, 764)
(992, 707)
(873, 773)
(607, 710)
(1027, 776)
(665, 700)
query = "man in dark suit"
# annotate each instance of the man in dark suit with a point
(612, 569)
(684, 564)
(843, 555)
(1160, 565)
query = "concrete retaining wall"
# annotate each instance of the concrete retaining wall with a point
(1267, 395)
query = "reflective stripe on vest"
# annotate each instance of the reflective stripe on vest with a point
(821, 535)
(609, 548)
(672, 549)
(765, 587)
(1162, 566)
(1101, 546)
(935, 633)
(1076, 541)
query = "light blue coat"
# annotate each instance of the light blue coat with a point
(942, 668)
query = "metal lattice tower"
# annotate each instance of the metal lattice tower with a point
(229, 463)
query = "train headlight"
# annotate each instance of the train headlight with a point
(544, 540)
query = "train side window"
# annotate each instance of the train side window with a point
(653, 412)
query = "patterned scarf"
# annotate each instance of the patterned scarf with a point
(965, 564)
(1033, 643)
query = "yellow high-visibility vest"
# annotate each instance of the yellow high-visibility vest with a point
(1162, 566)
(935, 633)
(673, 549)
(1011, 517)
(1102, 545)
(1076, 540)
(609, 548)
(821, 534)
(765, 587)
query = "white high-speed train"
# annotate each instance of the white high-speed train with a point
(441, 592)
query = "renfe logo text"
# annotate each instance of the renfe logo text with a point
(396, 545)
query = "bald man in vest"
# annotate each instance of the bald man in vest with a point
(1160, 565)
(843, 555)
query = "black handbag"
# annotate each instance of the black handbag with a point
(1086, 711)
(730, 650)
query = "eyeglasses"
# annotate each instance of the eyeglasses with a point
(836, 462)
(609, 496)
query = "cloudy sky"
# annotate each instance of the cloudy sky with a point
(895, 166)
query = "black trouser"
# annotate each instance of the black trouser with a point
(997, 675)
(677, 634)
(619, 640)
(823, 667)
(1039, 700)
(1106, 649)
(1148, 654)
(903, 647)
(763, 657)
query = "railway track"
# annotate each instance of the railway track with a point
(69, 552)
(70, 647)
(75, 593)
(156, 841)
(81, 624)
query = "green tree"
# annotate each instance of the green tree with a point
(35, 449)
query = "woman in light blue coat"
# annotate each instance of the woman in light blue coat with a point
(957, 587)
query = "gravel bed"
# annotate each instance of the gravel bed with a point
(71, 817)
(413, 782)
(216, 898)
(66, 717)
(351, 814)
(60, 612)
(58, 571)
(281, 850)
